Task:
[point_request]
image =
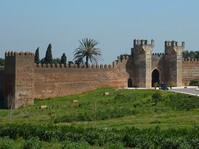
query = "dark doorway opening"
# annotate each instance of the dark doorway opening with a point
(130, 82)
(155, 77)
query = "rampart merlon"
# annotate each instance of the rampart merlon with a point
(21, 80)
(173, 44)
(142, 42)
(105, 66)
(12, 53)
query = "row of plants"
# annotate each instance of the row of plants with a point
(96, 115)
(7, 143)
(128, 137)
(183, 102)
(36, 143)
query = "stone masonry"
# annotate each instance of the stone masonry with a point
(21, 81)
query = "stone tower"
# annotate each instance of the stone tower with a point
(141, 54)
(19, 75)
(173, 55)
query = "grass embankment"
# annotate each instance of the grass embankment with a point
(175, 114)
(122, 108)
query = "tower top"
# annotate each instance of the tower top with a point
(173, 44)
(143, 43)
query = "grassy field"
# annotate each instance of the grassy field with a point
(121, 109)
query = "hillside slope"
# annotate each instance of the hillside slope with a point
(119, 109)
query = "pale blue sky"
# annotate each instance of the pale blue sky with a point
(27, 24)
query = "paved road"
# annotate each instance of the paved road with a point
(191, 91)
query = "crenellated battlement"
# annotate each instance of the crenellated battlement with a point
(159, 54)
(174, 44)
(191, 59)
(123, 59)
(12, 53)
(142, 42)
(172, 48)
(75, 66)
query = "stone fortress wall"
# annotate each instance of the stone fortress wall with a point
(190, 70)
(53, 81)
(21, 80)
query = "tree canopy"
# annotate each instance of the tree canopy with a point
(37, 60)
(2, 62)
(63, 58)
(48, 58)
(87, 49)
(191, 54)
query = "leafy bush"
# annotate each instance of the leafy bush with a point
(99, 115)
(119, 98)
(183, 102)
(194, 82)
(6, 143)
(72, 145)
(156, 97)
(114, 146)
(32, 143)
(77, 137)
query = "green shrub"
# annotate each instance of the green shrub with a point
(75, 145)
(32, 143)
(114, 146)
(99, 115)
(77, 137)
(120, 98)
(183, 102)
(156, 97)
(194, 82)
(7, 143)
(155, 122)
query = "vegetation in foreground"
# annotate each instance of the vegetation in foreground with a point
(68, 136)
(129, 118)
(119, 109)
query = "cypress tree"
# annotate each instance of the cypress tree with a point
(63, 59)
(48, 58)
(37, 56)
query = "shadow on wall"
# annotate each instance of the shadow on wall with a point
(1, 88)
(130, 71)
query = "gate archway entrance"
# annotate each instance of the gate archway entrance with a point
(155, 77)
(130, 82)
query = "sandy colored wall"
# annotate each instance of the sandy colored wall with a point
(190, 70)
(158, 63)
(24, 79)
(53, 82)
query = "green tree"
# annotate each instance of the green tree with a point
(56, 61)
(185, 54)
(87, 49)
(79, 61)
(2, 62)
(63, 59)
(156, 84)
(48, 58)
(190, 54)
(42, 61)
(37, 60)
(197, 54)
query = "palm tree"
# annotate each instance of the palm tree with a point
(87, 49)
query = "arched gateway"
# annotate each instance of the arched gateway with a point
(155, 77)
(130, 82)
